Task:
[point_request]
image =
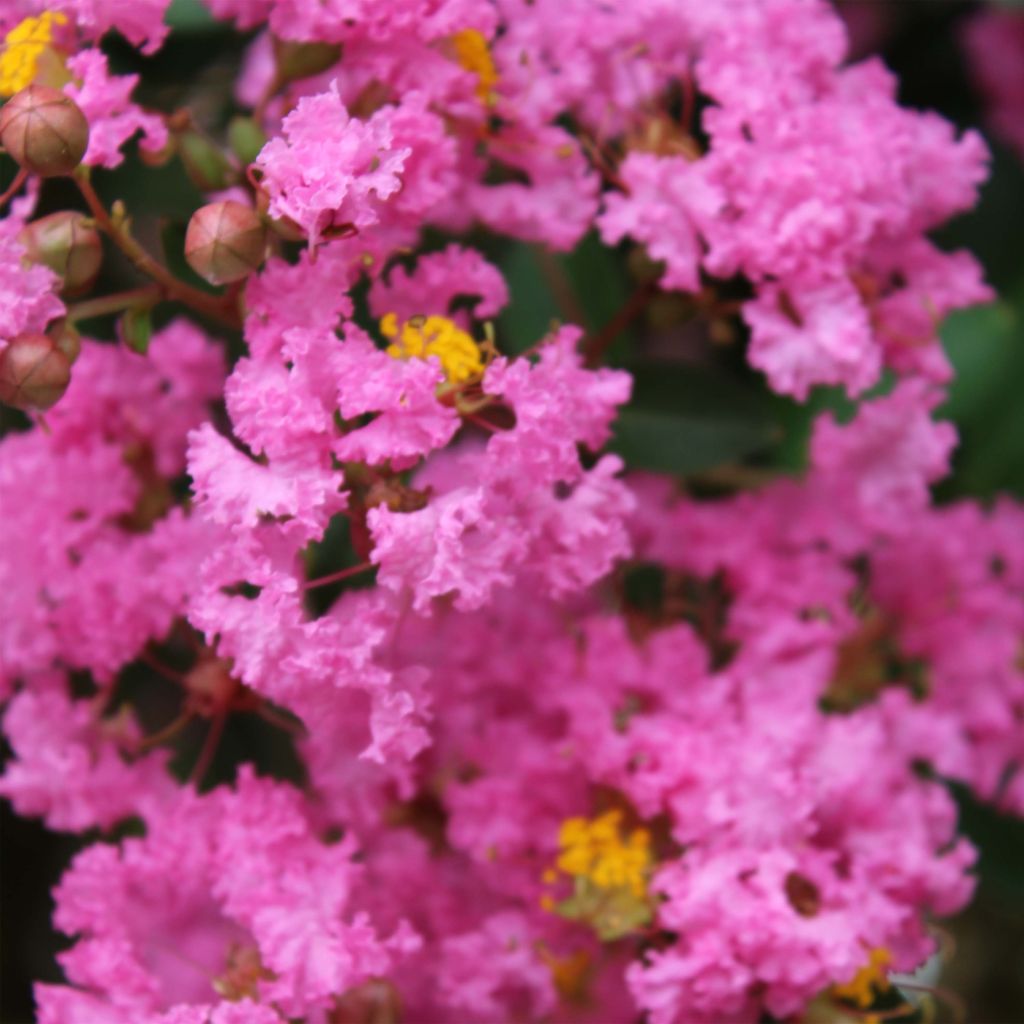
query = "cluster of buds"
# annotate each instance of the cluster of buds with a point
(47, 135)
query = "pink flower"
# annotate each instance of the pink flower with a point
(657, 212)
(332, 170)
(436, 281)
(113, 118)
(27, 291)
(817, 333)
(994, 40)
(141, 22)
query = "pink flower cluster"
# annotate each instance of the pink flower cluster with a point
(572, 744)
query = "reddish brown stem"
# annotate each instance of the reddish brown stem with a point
(168, 732)
(19, 180)
(212, 306)
(594, 348)
(479, 421)
(335, 577)
(210, 744)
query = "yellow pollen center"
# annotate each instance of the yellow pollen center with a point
(420, 337)
(473, 53)
(599, 851)
(609, 869)
(22, 48)
(869, 980)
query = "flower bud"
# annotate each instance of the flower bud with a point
(34, 373)
(44, 131)
(206, 166)
(246, 138)
(225, 242)
(67, 244)
(66, 338)
(296, 60)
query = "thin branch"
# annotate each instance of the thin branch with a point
(561, 286)
(210, 744)
(212, 306)
(19, 180)
(594, 348)
(114, 303)
(335, 577)
(168, 732)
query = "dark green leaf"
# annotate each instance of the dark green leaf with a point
(688, 419)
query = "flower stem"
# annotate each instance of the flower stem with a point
(114, 303)
(19, 180)
(210, 744)
(212, 306)
(336, 577)
(595, 347)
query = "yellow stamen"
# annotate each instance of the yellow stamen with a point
(609, 869)
(870, 979)
(23, 46)
(421, 337)
(598, 851)
(473, 53)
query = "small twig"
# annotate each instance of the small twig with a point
(335, 577)
(157, 666)
(19, 180)
(168, 732)
(210, 744)
(275, 718)
(211, 305)
(594, 348)
(561, 287)
(479, 421)
(114, 303)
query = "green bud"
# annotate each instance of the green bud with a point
(137, 328)
(246, 138)
(301, 60)
(69, 245)
(207, 167)
(67, 339)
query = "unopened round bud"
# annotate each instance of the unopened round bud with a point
(44, 131)
(225, 242)
(205, 164)
(34, 373)
(66, 338)
(69, 245)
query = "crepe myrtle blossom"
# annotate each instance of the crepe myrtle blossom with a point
(538, 736)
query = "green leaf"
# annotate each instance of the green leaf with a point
(681, 443)
(189, 16)
(688, 419)
(985, 346)
(527, 317)
(246, 138)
